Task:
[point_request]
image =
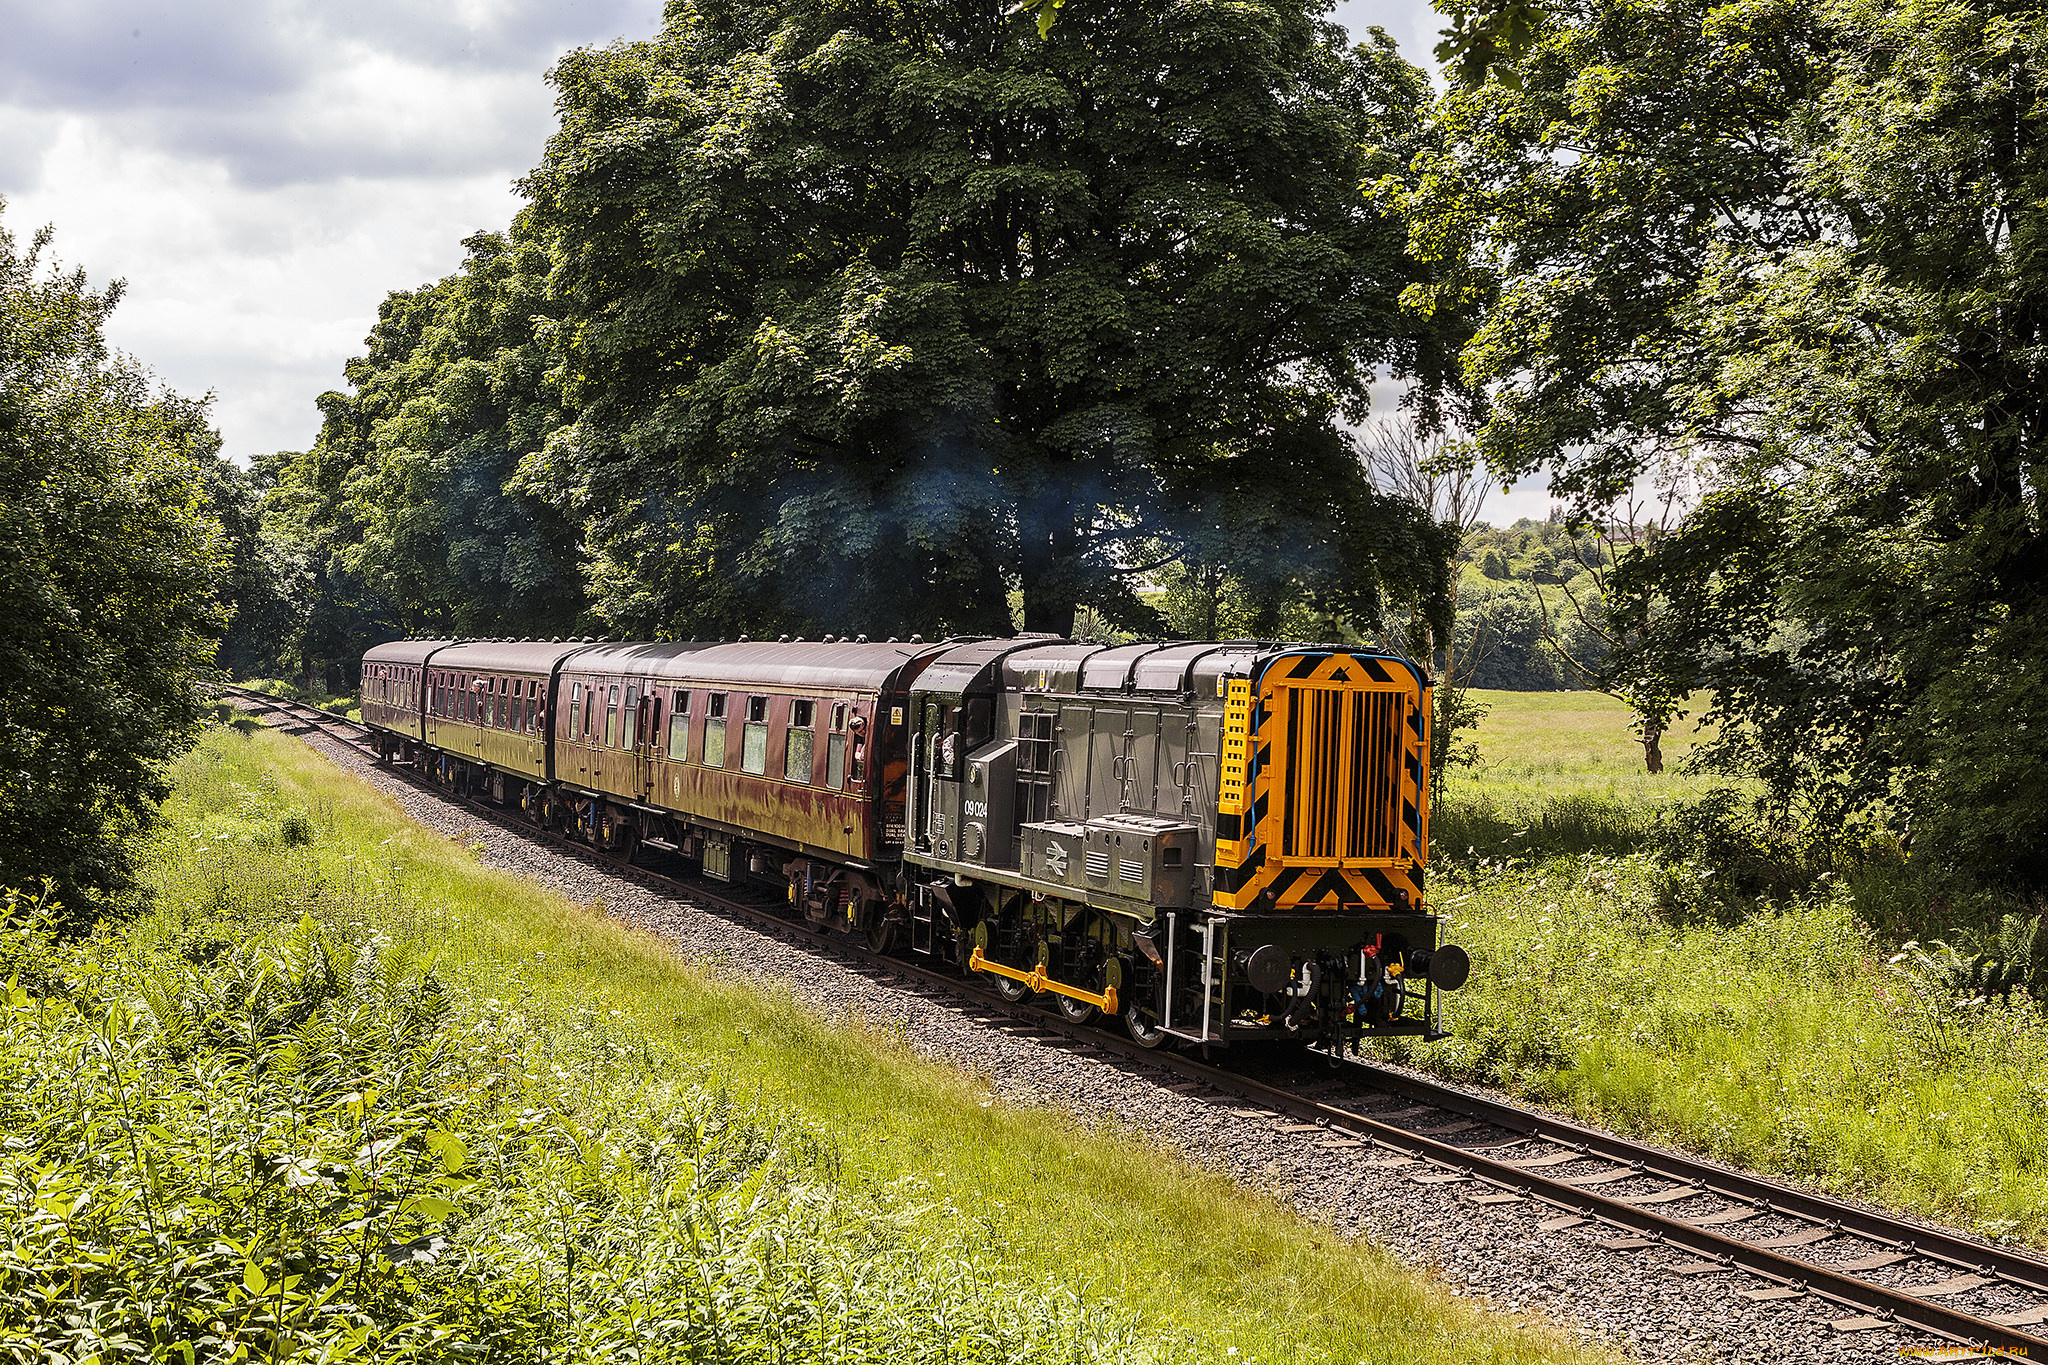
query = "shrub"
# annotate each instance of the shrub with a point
(301, 1147)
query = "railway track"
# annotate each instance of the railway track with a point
(1632, 1198)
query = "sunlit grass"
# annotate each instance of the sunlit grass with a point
(1778, 1036)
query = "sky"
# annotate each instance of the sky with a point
(262, 172)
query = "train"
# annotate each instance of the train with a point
(1214, 842)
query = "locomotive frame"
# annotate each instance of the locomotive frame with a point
(1218, 841)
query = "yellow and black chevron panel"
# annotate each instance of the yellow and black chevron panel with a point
(1324, 801)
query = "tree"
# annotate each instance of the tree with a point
(1435, 473)
(452, 394)
(1801, 246)
(1604, 649)
(109, 567)
(870, 313)
(267, 587)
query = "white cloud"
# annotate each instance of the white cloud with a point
(263, 172)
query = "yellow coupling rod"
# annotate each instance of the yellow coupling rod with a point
(1037, 980)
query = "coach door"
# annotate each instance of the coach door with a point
(647, 729)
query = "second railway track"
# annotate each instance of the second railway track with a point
(1880, 1270)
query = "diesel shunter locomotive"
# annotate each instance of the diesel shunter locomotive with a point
(1215, 841)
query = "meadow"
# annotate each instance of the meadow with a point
(1800, 1031)
(345, 1093)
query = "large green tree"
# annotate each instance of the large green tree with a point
(869, 312)
(109, 572)
(413, 461)
(1801, 246)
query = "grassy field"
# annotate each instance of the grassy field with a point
(1153, 1259)
(1797, 1035)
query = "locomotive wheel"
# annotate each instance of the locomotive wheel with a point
(1010, 990)
(1077, 1011)
(1144, 1031)
(880, 934)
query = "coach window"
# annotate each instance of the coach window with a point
(575, 707)
(532, 704)
(629, 722)
(754, 739)
(857, 767)
(679, 727)
(835, 749)
(714, 731)
(611, 718)
(796, 745)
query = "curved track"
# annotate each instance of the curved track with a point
(1882, 1269)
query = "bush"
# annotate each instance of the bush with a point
(295, 1146)
(107, 605)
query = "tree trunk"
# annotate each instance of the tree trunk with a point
(1653, 748)
(1048, 576)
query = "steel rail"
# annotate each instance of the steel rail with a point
(1791, 1277)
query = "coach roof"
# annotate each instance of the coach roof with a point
(799, 664)
(506, 656)
(403, 651)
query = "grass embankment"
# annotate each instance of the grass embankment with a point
(1780, 1035)
(362, 1089)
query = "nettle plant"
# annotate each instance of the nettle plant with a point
(292, 1147)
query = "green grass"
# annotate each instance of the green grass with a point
(1778, 1035)
(1047, 1202)
(1558, 772)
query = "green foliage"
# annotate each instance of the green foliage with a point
(867, 314)
(108, 572)
(1038, 1218)
(268, 586)
(1853, 1015)
(1798, 245)
(1500, 621)
(451, 396)
(1781, 1039)
(278, 1144)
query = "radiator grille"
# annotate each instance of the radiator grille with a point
(1342, 786)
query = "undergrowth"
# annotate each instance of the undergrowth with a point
(1680, 962)
(283, 1144)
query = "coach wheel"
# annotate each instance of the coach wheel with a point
(625, 843)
